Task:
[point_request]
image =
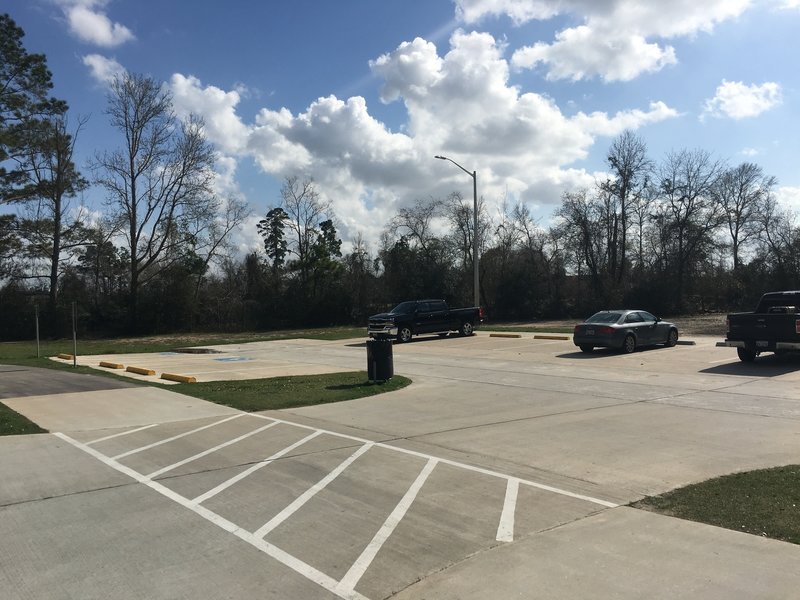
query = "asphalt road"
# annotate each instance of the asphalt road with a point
(19, 382)
(503, 471)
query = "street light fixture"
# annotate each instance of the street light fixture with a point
(474, 175)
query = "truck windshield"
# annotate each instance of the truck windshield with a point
(403, 308)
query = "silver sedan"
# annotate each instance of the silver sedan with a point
(625, 330)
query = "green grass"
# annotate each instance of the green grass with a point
(13, 423)
(764, 502)
(24, 353)
(289, 392)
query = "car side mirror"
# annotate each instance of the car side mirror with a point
(658, 319)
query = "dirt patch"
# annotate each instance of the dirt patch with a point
(197, 351)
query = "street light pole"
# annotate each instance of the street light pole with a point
(475, 276)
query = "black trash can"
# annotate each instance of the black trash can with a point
(380, 362)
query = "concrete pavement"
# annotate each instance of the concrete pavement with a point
(496, 474)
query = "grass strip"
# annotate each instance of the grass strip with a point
(765, 502)
(274, 393)
(565, 329)
(13, 423)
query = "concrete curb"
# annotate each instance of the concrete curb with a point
(140, 371)
(178, 378)
(551, 337)
(65, 356)
(505, 335)
(110, 365)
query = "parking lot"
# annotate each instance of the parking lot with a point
(502, 471)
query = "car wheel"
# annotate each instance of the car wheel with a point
(672, 338)
(585, 348)
(466, 328)
(629, 345)
(404, 335)
(746, 354)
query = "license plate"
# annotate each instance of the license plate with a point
(762, 344)
(590, 332)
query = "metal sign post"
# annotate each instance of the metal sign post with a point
(38, 351)
(74, 336)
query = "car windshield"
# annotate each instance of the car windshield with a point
(403, 308)
(604, 317)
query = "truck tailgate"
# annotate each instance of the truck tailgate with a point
(764, 327)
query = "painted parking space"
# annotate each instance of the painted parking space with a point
(381, 516)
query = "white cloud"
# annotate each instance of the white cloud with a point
(520, 11)
(580, 53)
(749, 152)
(737, 100)
(223, 126)
(616, 40)
(89, 23)
(102, 69)
(789, 197)
(460, 104)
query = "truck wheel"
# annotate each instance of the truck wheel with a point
(746, 354)
(672, 338)
(404, 335)
(629, 345)
(466, 328)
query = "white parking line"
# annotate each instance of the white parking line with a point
(116, 435)
(180, 463)
(351, 579)
(175, 437)
(310, 493)
(505, 530)
(453, 463)
(346, 587)
(294, 563)
(226, 484)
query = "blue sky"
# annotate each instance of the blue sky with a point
(360, 94)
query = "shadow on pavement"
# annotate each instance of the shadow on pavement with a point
(769, 365)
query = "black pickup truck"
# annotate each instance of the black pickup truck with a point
(774, 326)
(424, 316)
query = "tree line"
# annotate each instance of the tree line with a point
(686, 233)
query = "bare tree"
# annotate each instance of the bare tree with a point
(630, 166)
(691, 214)
(779, 237)
(459, 215)
(416, 222)
(209, 227)
(306, 211)
(581, 231)
(641, 206)
(163, 171)
(743, 193)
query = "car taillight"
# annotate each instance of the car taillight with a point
(605, 330)
(577, 327)
(797, 326)
(481, 312)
